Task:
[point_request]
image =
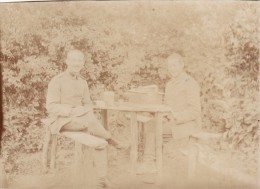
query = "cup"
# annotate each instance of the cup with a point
(109, 97)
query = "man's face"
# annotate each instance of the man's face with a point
(75, 62)
(175, 67)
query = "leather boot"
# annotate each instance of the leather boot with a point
(116, 144)
(104, 182)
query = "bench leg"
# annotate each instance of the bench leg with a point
(47, 139)
(53, 151)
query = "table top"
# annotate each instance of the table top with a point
(126, 106)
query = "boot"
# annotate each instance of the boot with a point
(116, 144)
(106, 183)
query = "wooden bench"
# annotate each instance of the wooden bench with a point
(85, 145)
(195, 141)
(233, 177)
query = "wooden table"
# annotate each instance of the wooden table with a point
(134, 109)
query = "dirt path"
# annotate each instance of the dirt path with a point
(174, 173)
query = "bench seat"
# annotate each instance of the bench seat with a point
(85, 139)
(80, 138)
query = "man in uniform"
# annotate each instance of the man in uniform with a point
(182, 96)
(70, 109)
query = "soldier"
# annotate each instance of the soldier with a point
(70, 108)
(182, 95)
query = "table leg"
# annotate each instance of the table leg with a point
(134, 150)
(159, 143)
(104, 119)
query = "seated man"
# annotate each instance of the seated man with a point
(70, 108)
(182, 95)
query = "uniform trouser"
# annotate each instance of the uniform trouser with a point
(89, 123)
(100, 162)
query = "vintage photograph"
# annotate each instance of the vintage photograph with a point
(130, 95)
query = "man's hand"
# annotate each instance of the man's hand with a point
(169, 117)
(79, 111)
(166, 118)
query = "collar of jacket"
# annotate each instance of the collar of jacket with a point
(182, 77)
(73, 75)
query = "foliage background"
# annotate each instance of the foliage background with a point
(125, 44)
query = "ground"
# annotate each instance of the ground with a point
(175, 172)
(233, 171)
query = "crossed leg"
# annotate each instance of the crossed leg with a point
(88, 123)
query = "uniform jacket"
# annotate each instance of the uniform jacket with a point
(65, 92)
(183, 96)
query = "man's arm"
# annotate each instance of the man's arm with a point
(53, 102)
(194, 107)
(86, 97)
(87, 103)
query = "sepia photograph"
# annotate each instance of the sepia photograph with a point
(129, 95)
